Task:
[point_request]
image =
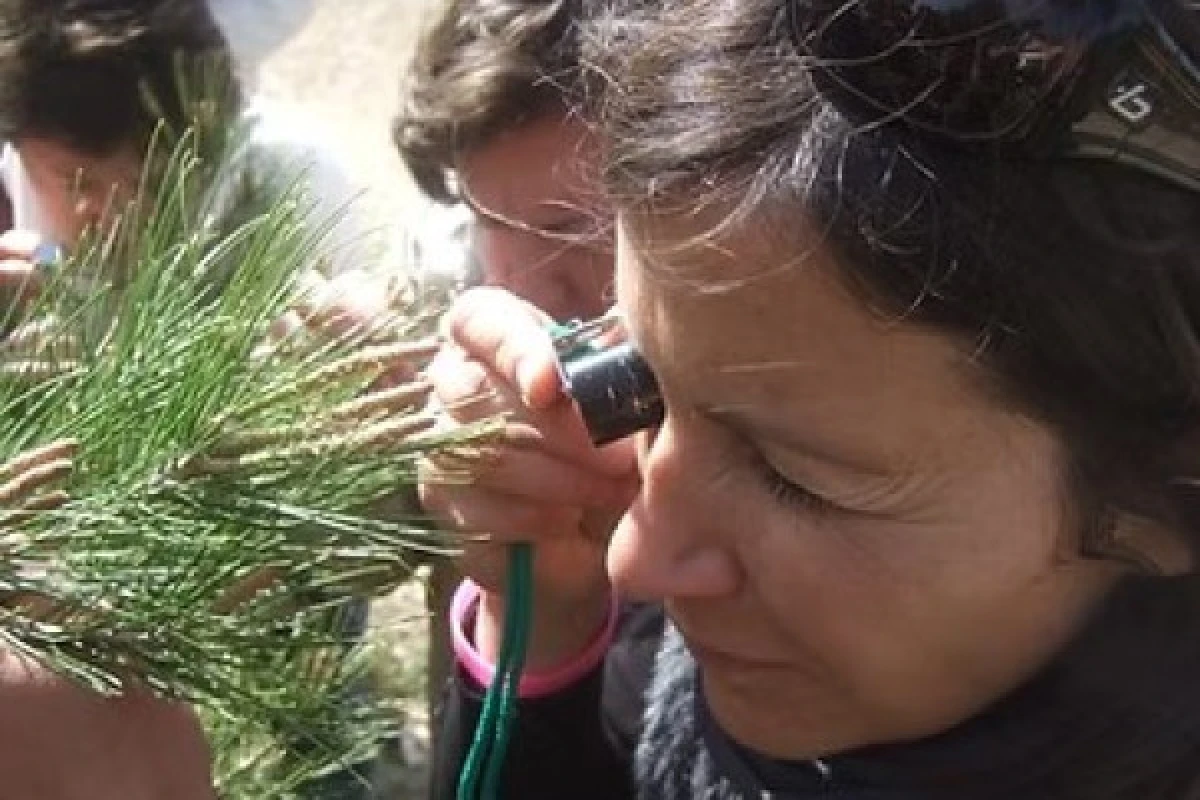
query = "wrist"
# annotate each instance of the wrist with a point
(565, 645)
(560, 629)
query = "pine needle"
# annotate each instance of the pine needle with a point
(180, 506)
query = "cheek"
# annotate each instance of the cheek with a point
(509, 259)
(950, 568)
(62, 216)
(927, 621)
(965, 534)
(68, 212)
(490, 249)
(588, 274)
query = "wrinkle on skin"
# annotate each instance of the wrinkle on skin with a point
(932, 586)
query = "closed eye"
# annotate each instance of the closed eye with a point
(788, 493)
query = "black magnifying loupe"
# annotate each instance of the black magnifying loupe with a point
(615, 389)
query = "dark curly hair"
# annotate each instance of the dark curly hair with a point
(98, 75)
(484, 67)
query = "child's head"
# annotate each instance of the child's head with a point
(486, 119)
(76, 82)
(927, 401)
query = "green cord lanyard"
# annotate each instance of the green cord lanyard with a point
(485, 759)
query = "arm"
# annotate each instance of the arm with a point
(59, 741)
(546, 484)
(577, 742)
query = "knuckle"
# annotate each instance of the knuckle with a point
(510, 352)
(456, 379)
(438, 499)
(429, 496)
(463, 314)
(19, 243)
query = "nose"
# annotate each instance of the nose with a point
(528, 267)
(495, 253)
(676, 540)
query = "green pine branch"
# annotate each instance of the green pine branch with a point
(181, 495)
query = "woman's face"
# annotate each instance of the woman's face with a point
(858, 543)
(538, 228)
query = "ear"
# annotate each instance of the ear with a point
(1154, 543)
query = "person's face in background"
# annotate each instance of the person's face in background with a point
(76, 191)
(540, 230)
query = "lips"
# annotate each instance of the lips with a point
(727, 641)
(722, 658)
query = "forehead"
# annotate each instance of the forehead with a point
(767, 327)
(547, 158)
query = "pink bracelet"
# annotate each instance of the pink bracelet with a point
(533, 684)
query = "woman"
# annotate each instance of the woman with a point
(921, 514)
(486, 121)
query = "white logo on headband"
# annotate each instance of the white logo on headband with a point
(1132, 99)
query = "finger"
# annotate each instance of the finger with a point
(472, 393)
(501, 518)
(20, 244)
(512, 338)
(549, 479)
(19, 274)
(535, 477)
(565, 436)
(598, 524)
(34, 478)
(613, 335)
(464, 389)
(31, 508)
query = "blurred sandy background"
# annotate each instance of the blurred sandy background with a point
(344, 70)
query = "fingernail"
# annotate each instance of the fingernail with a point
(538, 387)
(525, 374)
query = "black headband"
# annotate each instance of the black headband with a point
(1048, 78)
